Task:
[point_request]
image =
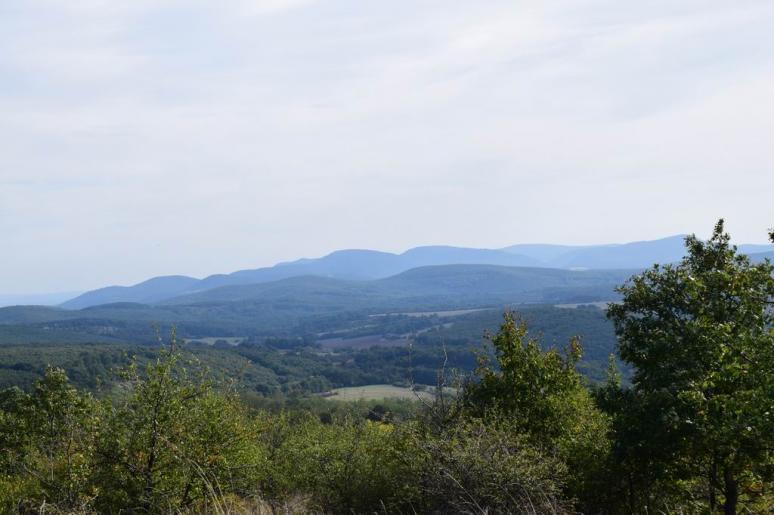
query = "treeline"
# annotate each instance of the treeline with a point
(693, 432)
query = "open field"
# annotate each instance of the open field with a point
(212, 340)
(376, 391)
(600, 305)
(441, 314)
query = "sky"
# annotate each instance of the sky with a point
(191, 137)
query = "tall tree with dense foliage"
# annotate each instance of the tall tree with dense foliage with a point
(699, 334)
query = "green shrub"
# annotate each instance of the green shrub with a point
(484, 467)
(171, 441)
(352, 464)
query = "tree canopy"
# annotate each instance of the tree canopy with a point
(699, 335)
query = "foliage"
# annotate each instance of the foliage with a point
(700, 337)
(473, 466)
(294, 368)
(350, 465)
(528, 383)
(47, 436)
(691, 433)
(171, 440)
(543, 397)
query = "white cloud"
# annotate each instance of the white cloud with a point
(143, 138)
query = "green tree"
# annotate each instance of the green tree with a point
(526, 382)
(544, 397)
(699, 335)
(47, 441)
(636, 478)
(171, 441)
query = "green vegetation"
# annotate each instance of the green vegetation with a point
(367, 350)
(525, 432)
(307, 306)
(700, 337)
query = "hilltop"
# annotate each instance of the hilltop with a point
(362, 265)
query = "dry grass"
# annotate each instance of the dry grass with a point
(237, 506)
(375, 392)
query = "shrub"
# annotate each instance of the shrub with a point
(481, 467)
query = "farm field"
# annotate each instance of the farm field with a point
(212, 340)
(376, 391)
(440, 314)
(600, 305)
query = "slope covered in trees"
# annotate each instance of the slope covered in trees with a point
(301, 306)
(307, 363)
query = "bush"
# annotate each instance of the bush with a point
(350, 465)
(171, 441)
(480, 467)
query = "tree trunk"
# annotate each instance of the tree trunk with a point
(732, 493)
(713, 480)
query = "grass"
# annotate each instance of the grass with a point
(212, 340)
(375, 392)
(440, 314)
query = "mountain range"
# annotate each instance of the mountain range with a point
(309, 304)
(343, 291)
(368, 265)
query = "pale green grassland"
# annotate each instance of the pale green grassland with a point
(375, 392)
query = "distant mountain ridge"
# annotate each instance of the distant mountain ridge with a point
(360, 264)
(429, 286)
(639, 254)
(354, 264)
(310, 304)
(146, 292)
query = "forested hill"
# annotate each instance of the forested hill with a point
(370, 265)
(429, 287)
(299, 306)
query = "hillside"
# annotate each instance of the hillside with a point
(363, 265)
(152, 290)
(640, 254)
(425, 287)
(299, 305)
(374, 349)
(343, 264)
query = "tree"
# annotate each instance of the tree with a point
(172, 441)
(526, 382)
(47, 438)
(542, 395)
(700, 337)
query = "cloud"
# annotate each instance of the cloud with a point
(144, 138)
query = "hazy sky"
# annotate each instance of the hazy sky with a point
(196, 137)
